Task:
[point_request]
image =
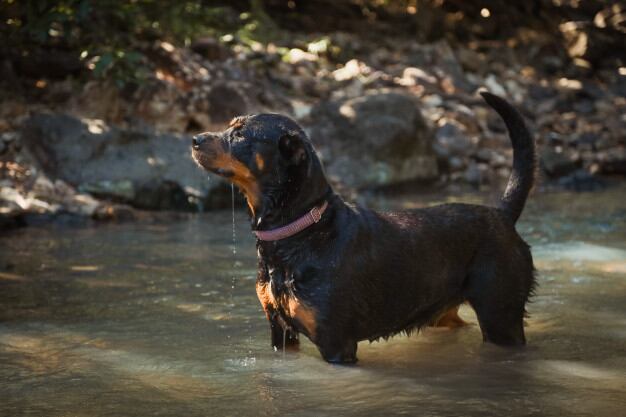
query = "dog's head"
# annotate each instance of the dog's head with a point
(268, 156)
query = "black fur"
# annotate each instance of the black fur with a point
(362, 274)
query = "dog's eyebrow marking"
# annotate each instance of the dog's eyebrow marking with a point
(237, 122)
(260, 162)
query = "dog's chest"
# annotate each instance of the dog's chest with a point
(276, 290)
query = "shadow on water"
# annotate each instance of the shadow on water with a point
(142, 319)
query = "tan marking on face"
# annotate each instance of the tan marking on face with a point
(242, 176)
(237, 122)
(260, 162)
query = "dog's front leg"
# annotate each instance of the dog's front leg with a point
(282, 335)
(338, 350)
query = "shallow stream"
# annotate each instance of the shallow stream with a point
(162, 319)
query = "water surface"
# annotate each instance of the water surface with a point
(162, 319)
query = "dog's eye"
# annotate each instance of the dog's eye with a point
(236, 136)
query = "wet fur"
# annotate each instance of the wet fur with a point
(359, 274)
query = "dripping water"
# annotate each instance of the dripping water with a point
(232, 201)
(234, 249)
(233, 246)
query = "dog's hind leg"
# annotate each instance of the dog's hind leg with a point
(337, 350)
(498, 291)
(501, 323)
(449, 319)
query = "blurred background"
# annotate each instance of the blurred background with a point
(119, 300)
(99, 99)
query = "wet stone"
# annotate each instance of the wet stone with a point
(581, 180)
(450, 140)
(557, 164)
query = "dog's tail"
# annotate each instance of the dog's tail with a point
(523, 174)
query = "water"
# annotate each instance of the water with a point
(134, 319)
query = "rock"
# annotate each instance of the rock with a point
(612, 163)
(552, 64)
(164, 195)
(584, 106)
(473, 174)
(432, 101)
(12, 200)
(49, 63)
(450, 140)
(8, 137)
(375, 140)
(586, 140)
(456, 163)
(350, 70)
(85, 205)
(440, 59)
(593, 43)
(296, 55)
(557, 164)
(4, 125)
(494, 86)
(210, 48)
(416, 76)
(469, 59)
(484, 155)
(581, 180)
(540, 92)
(122, 190)
(160, 106)
(141, 168)
(225, 102)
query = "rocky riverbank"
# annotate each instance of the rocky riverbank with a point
(382, 112)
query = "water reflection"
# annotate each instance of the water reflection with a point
(142, 319)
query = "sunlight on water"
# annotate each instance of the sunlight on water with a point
(146, 319)
(578, 251)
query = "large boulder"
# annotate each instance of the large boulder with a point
(141, 168)
(372, 141)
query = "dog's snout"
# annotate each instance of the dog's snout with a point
(197, 140)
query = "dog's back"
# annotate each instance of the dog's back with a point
(417, 264)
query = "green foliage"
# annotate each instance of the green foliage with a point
(109, 35)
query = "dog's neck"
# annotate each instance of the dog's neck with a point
(285, 254)
(276, 213)
(280, 207)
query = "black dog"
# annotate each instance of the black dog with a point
(341, 274)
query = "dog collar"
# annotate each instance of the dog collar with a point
(311, 217)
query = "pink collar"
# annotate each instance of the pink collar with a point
(312, 217)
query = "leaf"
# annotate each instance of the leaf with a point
(133, 57)
(84, 8)
(103, 64)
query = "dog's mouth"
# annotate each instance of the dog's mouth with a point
(207, 161)
(224, 165)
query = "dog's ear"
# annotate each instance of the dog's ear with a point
(292, 148)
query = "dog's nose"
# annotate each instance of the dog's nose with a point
(197, 141)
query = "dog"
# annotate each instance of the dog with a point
(340, 274)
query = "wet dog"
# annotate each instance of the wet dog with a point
(340, 274)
